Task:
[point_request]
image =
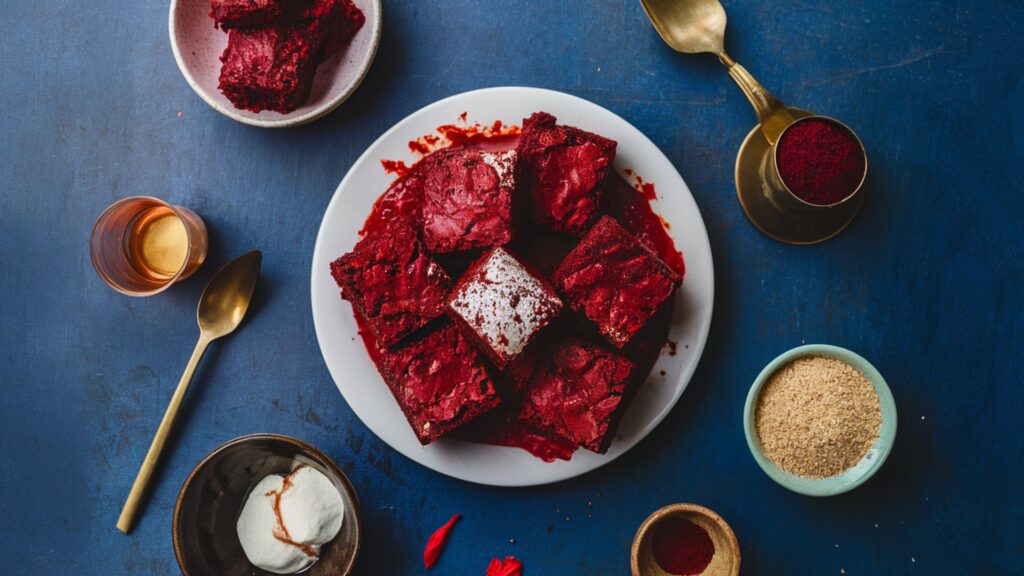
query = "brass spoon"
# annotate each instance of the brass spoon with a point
(693, 26)
(221, 309)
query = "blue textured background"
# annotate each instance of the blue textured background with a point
(926, 283)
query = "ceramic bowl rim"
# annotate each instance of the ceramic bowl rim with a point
(851, 478)
(671, 510)
(285, 120)
(303, 446)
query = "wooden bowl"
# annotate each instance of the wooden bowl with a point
(204, 529)
(725, 562)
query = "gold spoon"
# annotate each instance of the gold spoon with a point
(693, 26)
(221, 309)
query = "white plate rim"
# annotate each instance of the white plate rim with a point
(444, 456)
(284, 121)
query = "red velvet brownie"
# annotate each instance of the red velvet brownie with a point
(576, 393)
(272, 67)
(392, 283)
(240, 13)
(467, 199)
(440, 382)
(501, 304)
(567, 168)
(269, 68)
(615, 280)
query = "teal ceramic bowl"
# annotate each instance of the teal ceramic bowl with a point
(856, 475)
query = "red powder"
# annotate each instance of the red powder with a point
(820, 161)
(681, 547)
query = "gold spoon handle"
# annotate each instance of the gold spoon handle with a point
(131, 506)
(771, 112)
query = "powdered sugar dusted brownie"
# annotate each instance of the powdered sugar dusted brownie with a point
(501, 304)
(467, 199)
(392, 283)
(440, 382)
(567, 168)
(615, 281)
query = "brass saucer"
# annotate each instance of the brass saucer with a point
(766, 217)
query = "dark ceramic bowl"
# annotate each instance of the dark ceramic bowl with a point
(205, 536)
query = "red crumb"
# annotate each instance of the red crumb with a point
(646, 189)
(394, 166)
(671, 347)
(437, 541)
(507, 567)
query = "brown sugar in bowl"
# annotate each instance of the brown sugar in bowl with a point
(726, 560)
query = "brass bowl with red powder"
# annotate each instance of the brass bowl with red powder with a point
(707, 544)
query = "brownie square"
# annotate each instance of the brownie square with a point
(239, 13)
(576, 393)
(440, 382)
(269, 68)
(272, 67)
(467, 199)
(567, 168)
(392, 283)
(615, 281)
(501, 304)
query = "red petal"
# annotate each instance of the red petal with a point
(435, 545)
(510, 567)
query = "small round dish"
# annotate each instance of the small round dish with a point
(197, 47)
(852, 477)
(725, 562)
(205, 516)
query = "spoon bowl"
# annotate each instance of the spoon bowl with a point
(227, 296)
(690, 26)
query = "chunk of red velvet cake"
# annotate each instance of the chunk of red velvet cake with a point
(615, 281)
(576, 393)
(440, 382)
(467, 199)
(501, 304)
(238, 13)
(269, 68)
(567, 168)
(392, 283)
(272, 67)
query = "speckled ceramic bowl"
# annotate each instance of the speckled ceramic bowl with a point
(725, 562)
(198, 45)
(856, 475)
(205, 516)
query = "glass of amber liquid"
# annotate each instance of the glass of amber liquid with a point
(140, 245)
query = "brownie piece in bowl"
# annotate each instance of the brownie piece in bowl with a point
(240, 13)
(615, 280)
(467, 199)
(393, 284)
(567, 169)
(501, 304)
(440, 382)
(576, 392)
(272, 67)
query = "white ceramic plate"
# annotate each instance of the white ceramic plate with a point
(353, 370)
(197, 47)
